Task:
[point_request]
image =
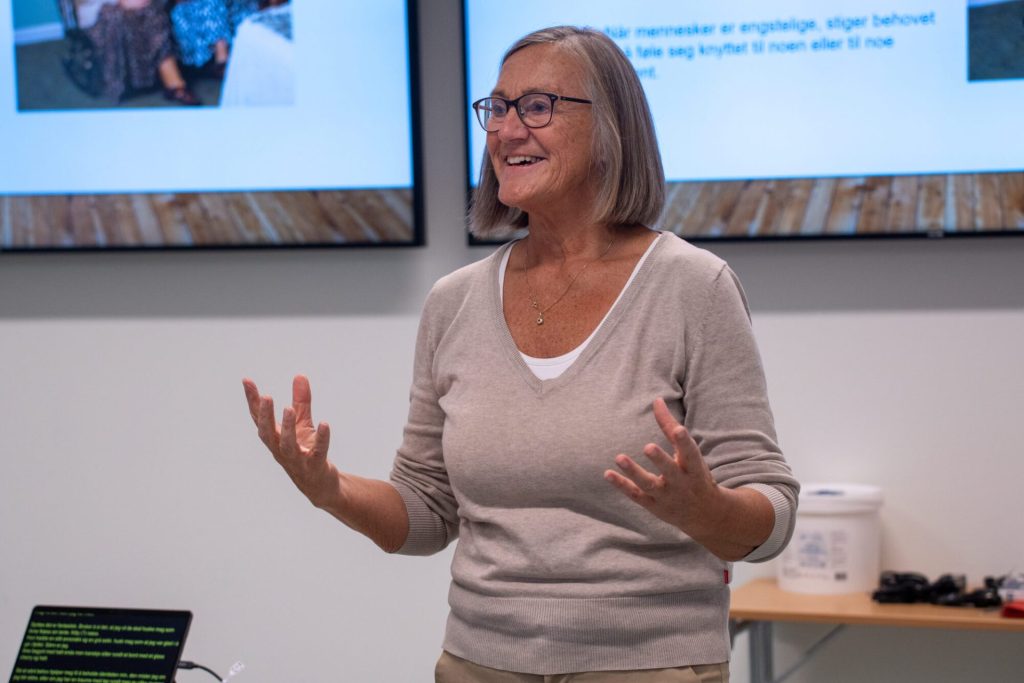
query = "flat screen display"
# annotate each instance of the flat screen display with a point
(101, 645)
(809, 118)
(207, 123)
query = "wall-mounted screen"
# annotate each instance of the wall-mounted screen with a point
(809, 118)
(207, 123)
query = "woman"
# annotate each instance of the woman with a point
(132, 41)
(204, 29)
(540, 372)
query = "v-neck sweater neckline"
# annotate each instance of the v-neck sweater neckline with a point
(604, 329)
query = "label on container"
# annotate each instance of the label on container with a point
(818, 554)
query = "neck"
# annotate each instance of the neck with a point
(558, 231)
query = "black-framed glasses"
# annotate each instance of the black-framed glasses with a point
(535, 109)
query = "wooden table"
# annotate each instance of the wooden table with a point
(758, 604)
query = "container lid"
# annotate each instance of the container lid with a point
(837, 499)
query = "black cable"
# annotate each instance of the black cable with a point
(192, 665)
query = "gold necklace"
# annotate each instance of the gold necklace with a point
(534, 303)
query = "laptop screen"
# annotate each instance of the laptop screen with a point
(101, 645)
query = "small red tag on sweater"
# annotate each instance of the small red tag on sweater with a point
(725, 575)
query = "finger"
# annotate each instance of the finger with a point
(322, 441)
(687, 452)
(628, 488)
(666, 420)
(641, 477)
(665, 463)
(289, 444)
(252, 397)
(302, 401)
(686, 448)
(266, 425)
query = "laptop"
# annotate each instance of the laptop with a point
(101, 645)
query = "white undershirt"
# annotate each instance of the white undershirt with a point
(549, 368)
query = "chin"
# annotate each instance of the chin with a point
(521, 195)
(513, 200)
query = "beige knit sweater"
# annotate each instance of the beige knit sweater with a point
(555, 571)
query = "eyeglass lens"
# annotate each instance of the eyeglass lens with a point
(534, 109)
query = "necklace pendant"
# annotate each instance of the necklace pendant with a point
(540, 319)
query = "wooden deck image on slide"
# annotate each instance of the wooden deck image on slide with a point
(207, 219)
(849, 206)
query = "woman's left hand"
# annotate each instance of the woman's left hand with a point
(683, 492)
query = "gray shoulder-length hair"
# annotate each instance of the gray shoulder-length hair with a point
(631, 180)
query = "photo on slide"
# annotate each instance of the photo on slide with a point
(157, 53)
(180, 124)
(995, 39)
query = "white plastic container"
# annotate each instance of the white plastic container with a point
(836, 542)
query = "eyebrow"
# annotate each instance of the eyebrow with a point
(497, 92)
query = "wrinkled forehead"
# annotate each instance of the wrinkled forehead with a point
(541, 68)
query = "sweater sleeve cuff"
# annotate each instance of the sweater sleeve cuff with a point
(776, 541)
(427, 532)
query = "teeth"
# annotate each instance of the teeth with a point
(513, 161)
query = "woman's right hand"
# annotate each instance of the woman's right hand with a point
(298, 446)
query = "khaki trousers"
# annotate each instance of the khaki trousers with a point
(452, 669)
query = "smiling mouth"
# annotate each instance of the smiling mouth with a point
(522, 160)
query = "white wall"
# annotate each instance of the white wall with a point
(130, 473)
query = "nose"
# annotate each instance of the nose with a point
(512, 128)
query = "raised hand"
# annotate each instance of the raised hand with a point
(682, 492)
(298, 446)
